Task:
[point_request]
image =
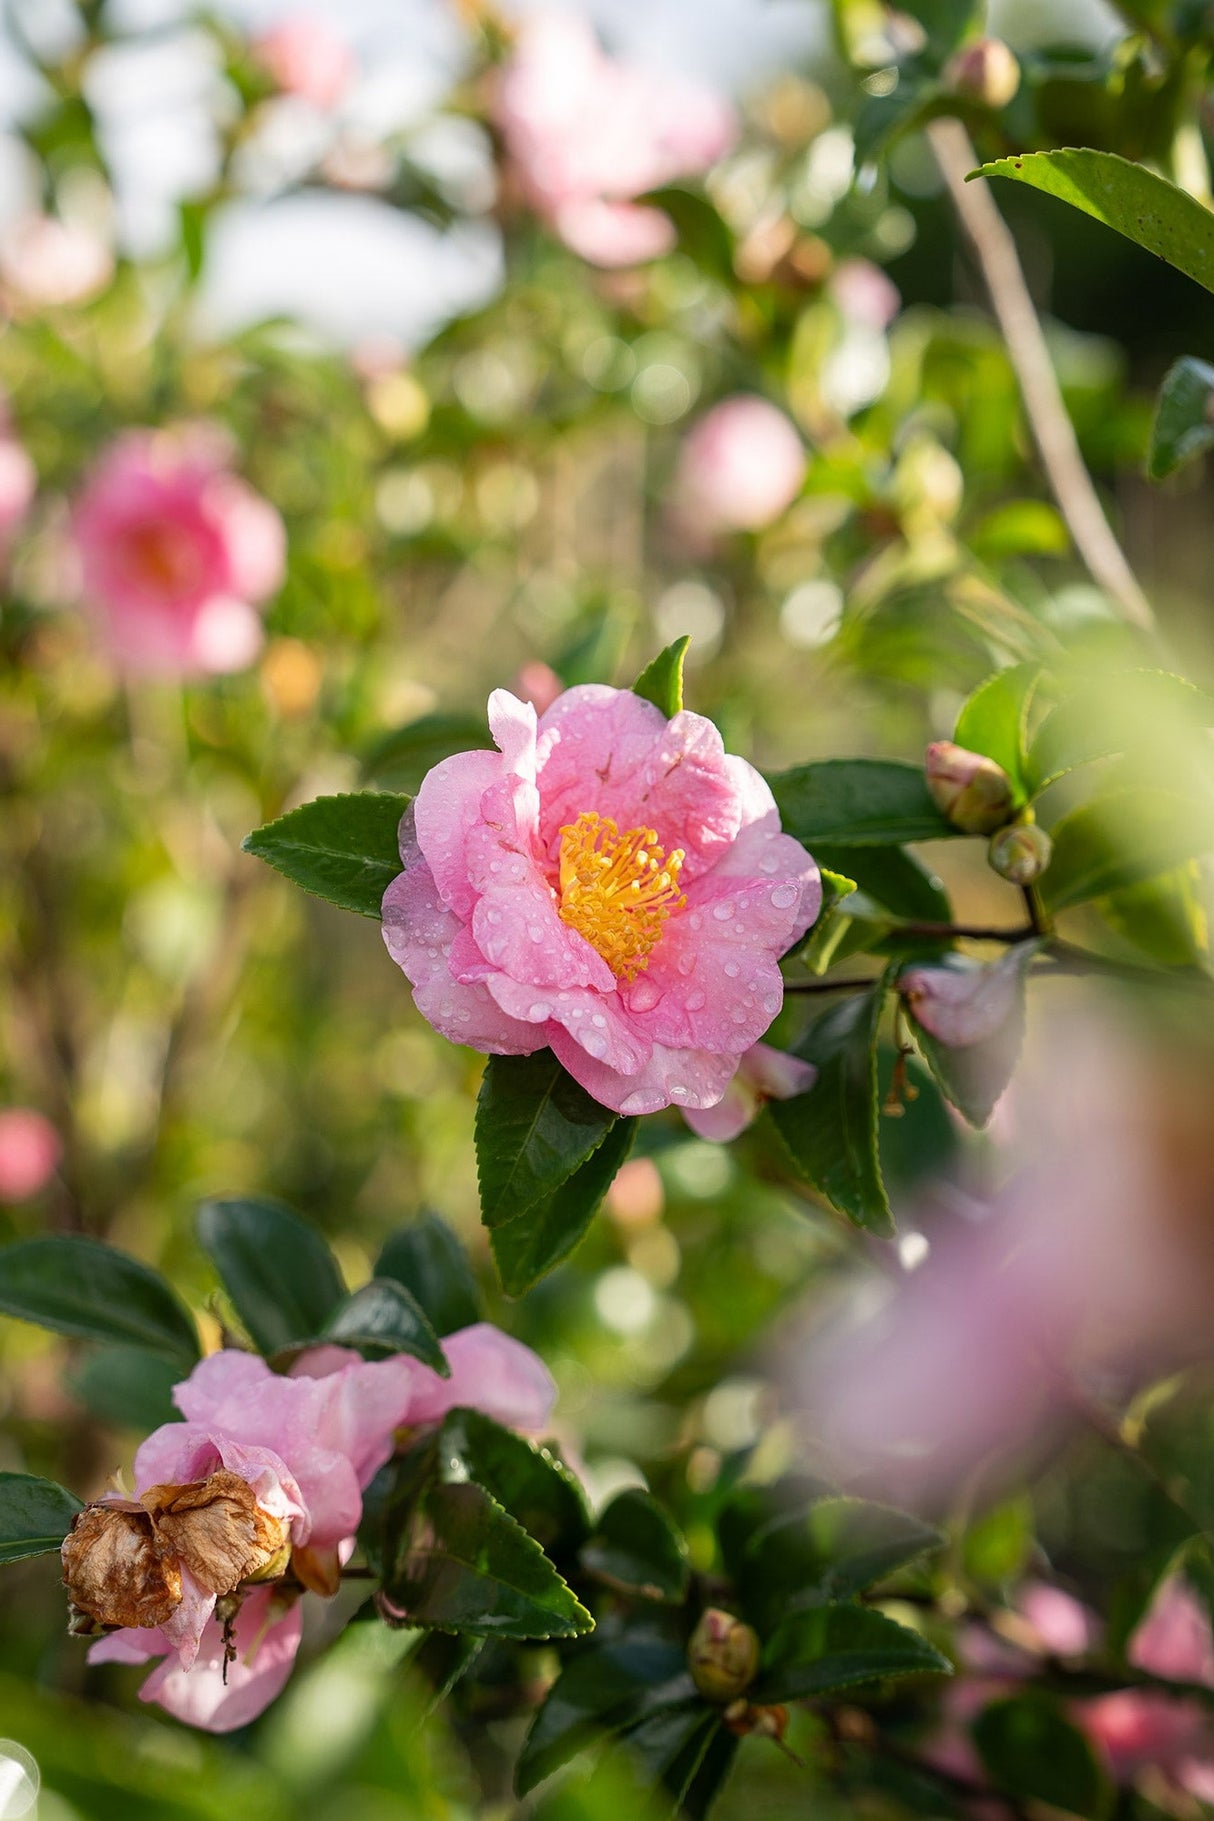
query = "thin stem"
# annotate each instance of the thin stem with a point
(1026, 345)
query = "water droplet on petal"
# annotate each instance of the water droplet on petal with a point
(538, 1011)
(594, 1043)
(599, 1020)
(677, 1091)
(687, 964)
(724, 910)
(635, 1103)
(785, 895)
(732, 969)
(695, 1001)
(770, 863)
(535, 932)
(644, 995)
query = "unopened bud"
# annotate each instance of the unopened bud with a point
(986, 72)
(970, 789)
(723, 1656)
(1020, 853)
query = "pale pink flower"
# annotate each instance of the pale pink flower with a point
(48, 264)
(763, 1074)
(740, 467)
(1139, 1729)
(609, 884)
(18, 481)
(307, 1444)
(587, 133)
(538, 684)
(305, 57)
(864, 293)
(965, 1002)
(30, 1149)
(176, 552)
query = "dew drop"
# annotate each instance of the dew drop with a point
(644, 995)
(635, 1103)
(784, 895)
(599, 1021)
(770, 863)
(732, 969)
(535, 932)
(724, 910)
(695, 920)
(678, 1092)
(695, 1001)
(687, 964)
(594, 1043)
(539, 1010)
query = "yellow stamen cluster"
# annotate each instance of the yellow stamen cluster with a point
(617, 890)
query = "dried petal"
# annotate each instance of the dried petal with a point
(113, 1569)
(216, 1529)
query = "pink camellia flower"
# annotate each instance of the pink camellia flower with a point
(48, 264)
(18, 481)
(763, 1074)
(30, 1149)
(176, 552)
(740, 467)
(864, 293)
(587, 133)
(965, 1002)
(305, 1446)
(1140, 1729)
(609, 884)
(305, 57)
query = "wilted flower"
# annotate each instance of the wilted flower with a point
(48, 264)
(609, 884)
(763, 1074)
(588, 133)
(30, 1149)
(740, 467)
(1020, 853)
(967, 787)
(264, 1470)
(305, 57)
(176, 552)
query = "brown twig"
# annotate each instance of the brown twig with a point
(1026, 345)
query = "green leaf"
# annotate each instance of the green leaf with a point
(1020, 528)
(535, 1126)
(662, 681)
(1128, 712)
(427, 1258)
(382, 1318)
(892, 878)
(1158, 216)
(345, 850)
(831, 923)
(1166, 917)
(831, 1131)
(836, 1548)
(550, 1230)
(636, 1547)
(35, 1516)
(281, 1276)
(858, 803)
(127, 1387)
(974, 1075)
(467, 1566)
(838, 1646)
(1031, 1750)
(601, 1689)
(1120, 838)
(80, 1287)
(1184, 417)
(994, 720)
(536, 1489)
(404, 757)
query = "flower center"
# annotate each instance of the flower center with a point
(161, 558)
(617, 890)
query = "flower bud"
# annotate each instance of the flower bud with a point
(970, 789)
(1020, 853)
(986, 72)
(723, 1656)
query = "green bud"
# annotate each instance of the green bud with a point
(986, 72)
(723, 1656)
(971, 790)
(1020, 853)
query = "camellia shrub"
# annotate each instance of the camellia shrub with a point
(707, 1309)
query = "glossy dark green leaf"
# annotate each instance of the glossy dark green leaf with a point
(1184, 417)
(636, 1547)
(467, 1566)
(535, 1487)
(1032, 1751)
(974, 1075)
(668, 1749)
(35, 1516)
(342, 849)
(831, 1131)
(601, 1689)
(427, 1258)
(662, 681)
(127, 1387)
(279, 1273)
(382, 1318)
(838, 1646)
(1120, 838)
(890, 877)
(994, 720)
(858, 803)
(835, 1549)
(551, 1229)
(403, 758)
(1157, 215)
(1127, 712)
(80, 1287)
(535, 1127)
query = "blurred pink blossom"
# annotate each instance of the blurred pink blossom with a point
(18, 481)
(609, 884)
(588, 133)
(538, 684)
(49, 264)
(30, 1149)
(1139, 1729)
(965, 1002)
(176, 553)
(864, 293)
(740, 467)
(763, 1074)
(307, 1445)
(305, 57)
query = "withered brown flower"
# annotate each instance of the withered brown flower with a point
(123, 1559)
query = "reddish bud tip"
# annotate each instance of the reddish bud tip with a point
(986, 72)
(970, 789)
(723, 1656)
